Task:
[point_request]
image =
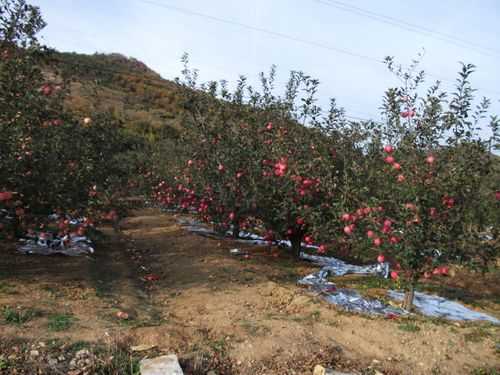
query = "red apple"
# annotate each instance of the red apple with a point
(370, 234)
(151, 277)
(394, 240)
(401, 178)
(430, 159)
(348, 229)
(410, 206)
(433, 212)
(122, 315)
(394, 275)
(449, 201)
(346, 217)
(300, 221)
(279, 172)
(389, 159)
(46, 89)
(5, 196)
(280, 167)
(388, 149)
(443, 270)
(497, 195)
(307, 183)
(396, 166)
(377, 241)
(381, 258)
(322, 249)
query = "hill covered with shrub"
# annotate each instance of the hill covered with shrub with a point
(123, 87)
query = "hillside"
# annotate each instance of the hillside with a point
(127, 88)
(124, 87)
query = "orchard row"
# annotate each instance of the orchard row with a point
(420, 190)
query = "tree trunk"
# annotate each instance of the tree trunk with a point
(116, 225)
(296, 245)
(236, 230)
(409, 296)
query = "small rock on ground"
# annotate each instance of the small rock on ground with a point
(320, 370)
(164, 365)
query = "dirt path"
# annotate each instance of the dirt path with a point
(217, 311)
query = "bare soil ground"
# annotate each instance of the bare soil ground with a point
(186, 294)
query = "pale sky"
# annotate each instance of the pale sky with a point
(159, 35)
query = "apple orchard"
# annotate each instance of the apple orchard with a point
(419, 190)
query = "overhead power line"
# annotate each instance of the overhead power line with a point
(316, 44)
(262, 30)
(448, 38)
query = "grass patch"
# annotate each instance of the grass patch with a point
(409, 327)
(60, 322)
(54, 344)
(155, 319)
(112, 359)
(273, 316)
(53, 291)
(477, 335)
(455, 294)
(219, 346)
(101, 290)
(285, 277)
(485, 371)
(78, 345)
(309, 318)
(253, 329)
(6, 288)
(19, 316)
(441, 321)
(4, 364)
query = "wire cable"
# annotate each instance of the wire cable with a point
(331, 48)
(411, 27)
